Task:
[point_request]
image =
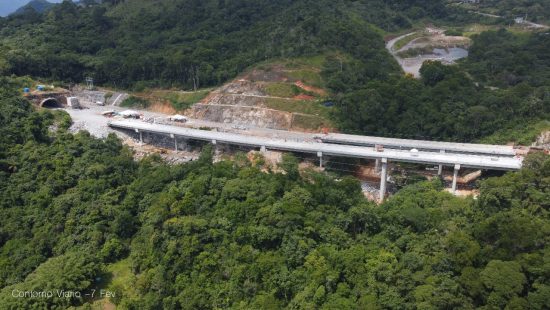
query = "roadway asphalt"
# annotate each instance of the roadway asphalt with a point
(419, 144)
(448, 159)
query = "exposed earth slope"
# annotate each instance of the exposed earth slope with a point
(280, 95)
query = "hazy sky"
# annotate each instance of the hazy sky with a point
(9, 6)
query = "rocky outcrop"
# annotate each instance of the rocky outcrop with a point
(240, 102)
(241, 87)
(543, 141)
(242, 115)
(235, 99)
(244, 102)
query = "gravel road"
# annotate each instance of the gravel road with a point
(90, 118)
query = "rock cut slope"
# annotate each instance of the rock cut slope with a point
(278, 96)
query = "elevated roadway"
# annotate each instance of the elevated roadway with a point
(456, 160)
(422, 145)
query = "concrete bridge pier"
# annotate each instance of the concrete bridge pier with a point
(175, 142)
(263, 149)
(320, 155)
(383, 179)
(377, 166)
(455, 176)
(216, 148)
(140, 136)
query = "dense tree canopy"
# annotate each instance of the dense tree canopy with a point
(226, 235)
(194, 43)
(79, 213)
(460, 102)
(533, 10)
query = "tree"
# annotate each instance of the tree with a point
(70, 275)
(502, 281)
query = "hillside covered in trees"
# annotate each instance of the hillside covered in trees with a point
(165, 43)
(502, 84)
(193, 44)
(79, 213)
(534, 10)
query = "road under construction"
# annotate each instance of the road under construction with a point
(383, 150)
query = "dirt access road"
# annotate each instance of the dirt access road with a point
(409, 65)
(526, 22)
(443, 48)
(90, 118)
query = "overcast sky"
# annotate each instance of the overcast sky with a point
(9, 6)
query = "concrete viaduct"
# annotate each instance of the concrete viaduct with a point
(455, 155)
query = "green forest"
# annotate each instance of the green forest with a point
(503, 83)
(192, 44)
(534, 10)
(202, 236)
(81, 213)
(188, 43)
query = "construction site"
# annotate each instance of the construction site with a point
(240, 117)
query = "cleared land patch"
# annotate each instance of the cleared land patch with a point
(287, 89)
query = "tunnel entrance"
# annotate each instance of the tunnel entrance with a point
(51, 103)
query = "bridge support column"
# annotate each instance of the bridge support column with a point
(140, 136)
(263, 149)
(175, 141)
(383, 179)
(217, 149)
(377, 165)
(455, 176)
(320, 155)
(440, 170)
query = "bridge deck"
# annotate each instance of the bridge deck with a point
(418, 144)
(446, 159)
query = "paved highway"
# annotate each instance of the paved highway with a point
(437, 146)
(493, 162)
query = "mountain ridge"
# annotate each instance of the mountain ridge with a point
(40, 6)
(10, 7)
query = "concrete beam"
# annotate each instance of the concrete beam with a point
(175, 141)
(383, 179)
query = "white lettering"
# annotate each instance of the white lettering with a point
(31, 294)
